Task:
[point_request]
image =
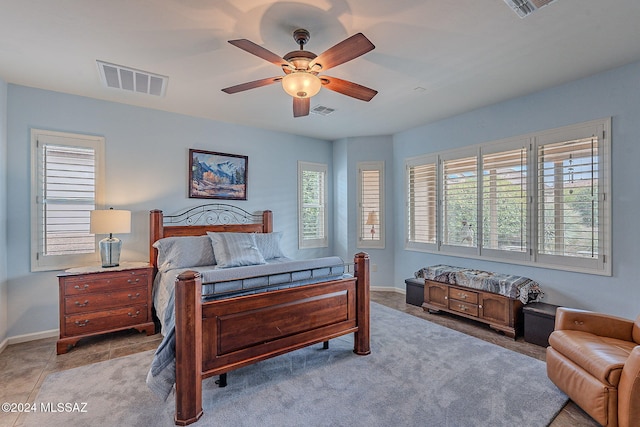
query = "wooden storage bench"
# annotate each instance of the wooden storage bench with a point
(499, 312)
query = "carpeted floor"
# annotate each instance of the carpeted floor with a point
(418, 374)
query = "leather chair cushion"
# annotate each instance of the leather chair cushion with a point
(594, 397)
(602, 357)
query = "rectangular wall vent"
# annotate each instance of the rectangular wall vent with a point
(130, 79)
(526, 7)
(322, 110)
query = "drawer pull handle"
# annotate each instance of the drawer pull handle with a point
(134, 315)
(578, 322)
(85, 286)
(81, 323)
(462, 296)
(463, 307)
(134, 296)
(133, 281)
(83, 304)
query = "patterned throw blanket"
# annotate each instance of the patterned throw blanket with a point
(516, 287)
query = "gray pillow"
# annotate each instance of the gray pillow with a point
(184, 252)
(235, 249)
(269, 244)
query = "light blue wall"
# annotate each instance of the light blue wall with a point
(3, 213)
(147, 154)
(146, 168)
(615, 93)
(347, 153)
(341, 194)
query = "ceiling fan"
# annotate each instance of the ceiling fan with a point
(301, 68)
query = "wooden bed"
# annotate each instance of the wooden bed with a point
(215, 337)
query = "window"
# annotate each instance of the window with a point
(572, 213)
(66, 186)
(371, 205)
(421, 195)
(312, 200)
(539, 199)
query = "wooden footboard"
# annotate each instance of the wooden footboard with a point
(216, 337)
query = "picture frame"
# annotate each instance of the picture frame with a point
(214, 175)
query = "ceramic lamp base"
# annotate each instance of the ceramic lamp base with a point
(110, 251)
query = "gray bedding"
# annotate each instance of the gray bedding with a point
(278, 273)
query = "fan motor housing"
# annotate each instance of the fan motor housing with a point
(300, 59)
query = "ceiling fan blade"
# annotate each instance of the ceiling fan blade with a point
(261, 52)
(348, 88)
(301, 106)
(251, 85)
(344, 51)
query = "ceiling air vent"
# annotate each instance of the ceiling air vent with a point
(526, 7)
(322, 110)
(130, 79)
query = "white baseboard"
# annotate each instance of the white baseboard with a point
(33, 336)
(4, 344)
(388, 289)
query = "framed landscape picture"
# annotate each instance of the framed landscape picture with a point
(217, 175)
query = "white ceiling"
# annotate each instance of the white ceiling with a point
(464, 54)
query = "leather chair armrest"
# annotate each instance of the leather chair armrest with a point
(629, 391)
(600, 324)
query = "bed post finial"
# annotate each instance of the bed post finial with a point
(362, 336)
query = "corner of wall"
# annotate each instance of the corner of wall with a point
(3, 216)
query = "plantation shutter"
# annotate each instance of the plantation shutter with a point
(460, 201)
(568, 195)
(313, 198)
(371, 205)
(422, 203)
(68, 183)
(504, 191)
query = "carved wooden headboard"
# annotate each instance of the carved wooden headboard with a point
(197, 221)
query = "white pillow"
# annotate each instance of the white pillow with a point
(235, 249)
(269, 244)
(184, 252)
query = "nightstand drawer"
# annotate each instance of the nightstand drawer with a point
(87, 283)
(101, 301)
(81, 324)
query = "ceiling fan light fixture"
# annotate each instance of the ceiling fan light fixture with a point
(301, 84)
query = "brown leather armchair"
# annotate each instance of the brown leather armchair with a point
(595, 359)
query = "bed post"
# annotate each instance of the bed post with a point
(155, 232)
(188, 303)
(362, 336)
(267, 221)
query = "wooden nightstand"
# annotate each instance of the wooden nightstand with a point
(96, 300)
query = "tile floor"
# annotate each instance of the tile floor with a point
(24, 366)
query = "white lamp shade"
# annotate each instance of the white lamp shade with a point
(110, 221)
(301, 84)
(372, 219)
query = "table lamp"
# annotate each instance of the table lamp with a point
(110, 221)
(372, 220)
